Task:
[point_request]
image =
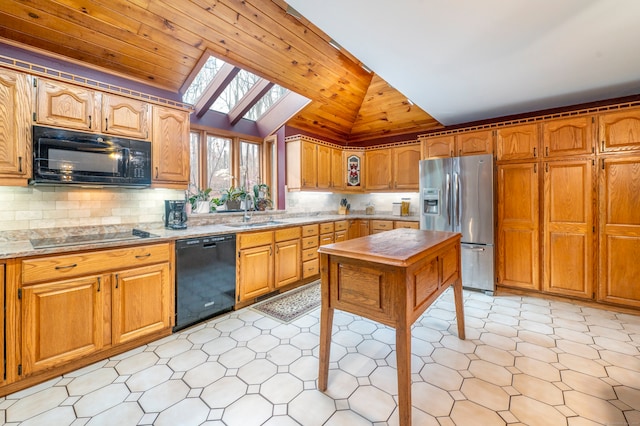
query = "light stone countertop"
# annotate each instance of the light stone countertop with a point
(17, 244)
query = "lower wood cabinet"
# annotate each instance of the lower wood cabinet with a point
(381, 226)
(287, 258)
(254, 268)
(76, 305)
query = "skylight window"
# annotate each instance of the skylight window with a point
(232, 91)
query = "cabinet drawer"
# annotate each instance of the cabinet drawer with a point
(309, 254)
(381, 225)
(326, 227)
(308, 230)
(254, 239)
(326, 239)
(341, 225)
(310, 242)
(310, 268)
(287, 234)
(54, 268)
(406, 224)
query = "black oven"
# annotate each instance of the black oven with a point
(64, 157)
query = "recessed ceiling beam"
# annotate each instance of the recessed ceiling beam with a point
(217, 85)
(257, 91)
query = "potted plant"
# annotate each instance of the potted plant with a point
(262, 196)
(200, 200)
(233, 197)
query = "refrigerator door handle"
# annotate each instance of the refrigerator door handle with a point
(446, 198)
(456, 182)
(476, 248)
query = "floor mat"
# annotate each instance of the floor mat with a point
(291, 305)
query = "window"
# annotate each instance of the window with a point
(194, 158)
(218, 155)
(249, 164)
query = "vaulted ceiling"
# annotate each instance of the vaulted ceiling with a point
(160, 42)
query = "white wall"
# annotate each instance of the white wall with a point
(311, 202)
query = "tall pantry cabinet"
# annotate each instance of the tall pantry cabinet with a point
(619, 207)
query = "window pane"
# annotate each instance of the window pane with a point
(194, 157)
(270, 98)
(205, 75)
(238, 87)
(249, 164)
(218, 164)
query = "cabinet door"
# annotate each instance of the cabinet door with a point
(619, 131)
(125, 117)
(287, 262)
(61, 321)
(324, 167)
(572, 136)
(475, 143)
(378, 170)
(619, 224)
(170, 147)
(439, 147)
(15, 122)
(255, 272)
(141, 302)
(338, 177)
(518, 225)
(517, 143)
(363, 227)
(406, 161)
(568, 227)
(309, 165)
(64, 105)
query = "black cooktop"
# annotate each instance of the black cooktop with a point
(72, 240)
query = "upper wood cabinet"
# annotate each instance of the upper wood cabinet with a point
(518, 226)
(569, 136)
(378, 172)
(65, 105)
(619, 225)
(170, 148)
(302, 164)
(125, 117)
(323, 168)
(406, 172)
(619, 131)
(439, 146)
(517, 143)
(569, 227)
(474, 143)
(338, 176)
(15, 122)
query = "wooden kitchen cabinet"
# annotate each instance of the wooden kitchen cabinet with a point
(474, 143)
(125, 117)
(439, 146)
(569, 136)
(15, 122)
(323, 168)
(340, 230)
(338, 175)
(310, 265)
(302, 164)
(619, 225)
(378, 226)
(326, 233)
(518, 226)
(405, 166)
(170, 148)
(569, 227)
(65, 105)
(287, 259)
(619, 131)
(378, 171)
(517, 143)
(61, 321)
(406, 224)
(254, 269)
(141, 299)
(107, 297)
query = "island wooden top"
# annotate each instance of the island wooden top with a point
(399, 247)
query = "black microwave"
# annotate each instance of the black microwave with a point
(65, 157)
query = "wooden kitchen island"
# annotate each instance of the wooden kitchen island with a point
(390, 277)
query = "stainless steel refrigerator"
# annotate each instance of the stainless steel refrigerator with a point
(456, 194)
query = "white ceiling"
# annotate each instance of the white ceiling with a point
(467, 60)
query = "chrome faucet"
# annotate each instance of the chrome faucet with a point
(248, 199)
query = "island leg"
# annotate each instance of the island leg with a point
(326, 324)
(457, 290)
(403, 359)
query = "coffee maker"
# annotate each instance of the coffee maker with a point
(175, 214)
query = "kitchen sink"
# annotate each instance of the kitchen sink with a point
(253, 224)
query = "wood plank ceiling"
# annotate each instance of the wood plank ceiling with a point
(160, 41)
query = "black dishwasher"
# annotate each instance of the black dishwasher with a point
(205, 278)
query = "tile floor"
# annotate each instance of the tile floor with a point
(526, 361)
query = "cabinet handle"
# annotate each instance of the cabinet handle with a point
(106, 124)
(20, 164)
(73, 265)
(277, 249)
(90, 122)
(99, 283)
(142, 256)
(269, 251)
(546, 151)
(535, 151)
(117, 281)
(156, 172)
(535, 168)
(546, 167)
(602, 146)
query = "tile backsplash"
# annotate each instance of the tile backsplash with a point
(33, 208)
